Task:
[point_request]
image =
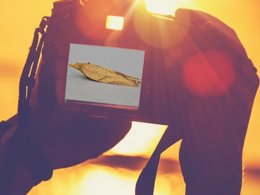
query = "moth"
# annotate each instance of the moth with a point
(104, 75)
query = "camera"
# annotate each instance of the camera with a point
(104, 64)
(120, 38)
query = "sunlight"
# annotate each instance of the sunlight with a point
(163, 7)
(161, 23)
(94, 179)
(140, 140)
(110, 180)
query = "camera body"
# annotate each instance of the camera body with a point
(80, 25)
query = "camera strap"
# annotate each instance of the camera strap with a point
(146, 180)
(27, 79)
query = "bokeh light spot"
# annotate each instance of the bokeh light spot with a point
(209, 73)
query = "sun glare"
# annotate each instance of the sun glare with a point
(163, 7)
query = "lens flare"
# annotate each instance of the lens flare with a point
(209, 73)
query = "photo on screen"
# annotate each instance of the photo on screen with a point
(104, 75)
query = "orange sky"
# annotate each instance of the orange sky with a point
(19, 18)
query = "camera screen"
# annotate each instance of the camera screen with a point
(103, 75)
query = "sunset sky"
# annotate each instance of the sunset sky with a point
(18, 20)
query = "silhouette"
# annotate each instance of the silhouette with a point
(197, 79)
(214, 98)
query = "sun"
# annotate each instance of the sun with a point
(162, 7)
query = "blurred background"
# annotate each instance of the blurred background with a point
(116, 171)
